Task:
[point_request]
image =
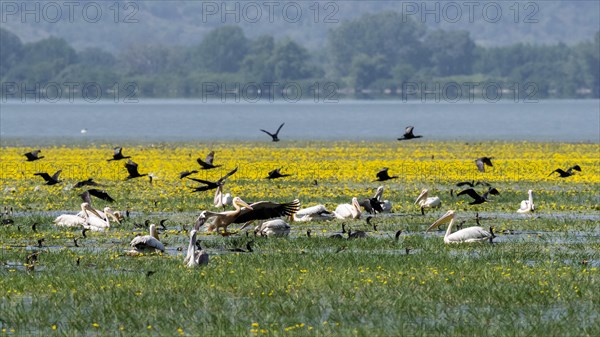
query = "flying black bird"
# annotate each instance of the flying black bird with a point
(49, 180)
(118, 155)
(276, 135)
(481, 162)
(276, 173)
(383, 175)
(186, 173)
(97, 193)
(212, 185)
(207, 164)
(33, 155)
(568, 173)
(132, 168)
(479, 199)
(408, 134)
(472, 183)
(88, 182)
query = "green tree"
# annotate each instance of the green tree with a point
(52, 50)
(42, 61)
(367, 69)
(222, 50)
(96, 57)
(450, 52)
(290, 61)
(393, 38)
(589, 54)
(11, 51)
(257, 64)
(145, 59)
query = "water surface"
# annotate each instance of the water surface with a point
(194, 120)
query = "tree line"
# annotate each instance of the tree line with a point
(374, 55)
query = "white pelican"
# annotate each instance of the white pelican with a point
(261, 210)
(222, 200)
(313, 213)
(348, 211)
(527, 205)
(69, 220)
(424, 202)
(148, 243)
(385, 204)
(224, 219)
(194, 257)
(96, 224)
(470, 234)
(93, 222)
(104, 215)
(275, 227)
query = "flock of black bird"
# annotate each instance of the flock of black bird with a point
(208, 163)
(371, 205)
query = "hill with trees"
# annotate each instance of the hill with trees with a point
(369, 56)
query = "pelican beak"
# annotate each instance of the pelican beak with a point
(244, 204)
(355, 203)
(109, 213)
(153, 231)
(88, 208)
(200, 221)
(444, 219)
(421, 196)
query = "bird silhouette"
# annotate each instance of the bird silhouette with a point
(408, 134)
(132, 169)
(184, 174)
(479, 199)
(383, 175)
(118, 154)
(482, 162)
(87, 182)
(100, 194)
(33, 155)
(210, 185)
(207, 164)
(275, 135)
(50, 180)
(569, 172)
(276, 173)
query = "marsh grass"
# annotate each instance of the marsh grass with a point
(540, 278)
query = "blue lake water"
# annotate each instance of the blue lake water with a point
(195, 120)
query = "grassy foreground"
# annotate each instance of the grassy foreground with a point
(541, 277)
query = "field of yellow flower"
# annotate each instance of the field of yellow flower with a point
(539, 278)
(340, 170)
